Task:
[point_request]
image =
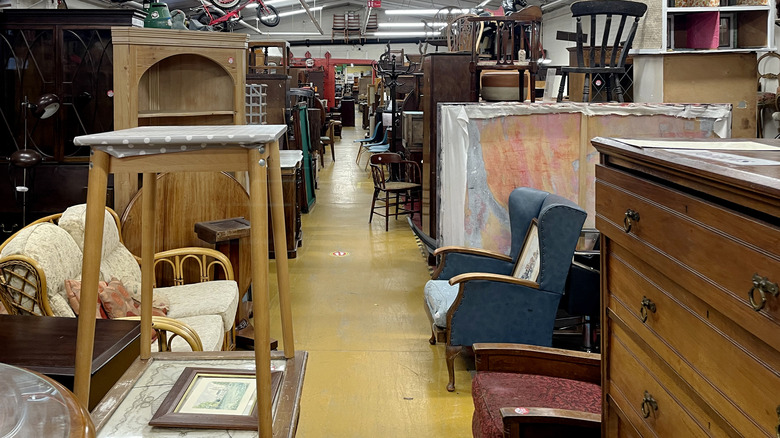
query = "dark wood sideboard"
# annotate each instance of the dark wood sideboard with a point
(689, 239)
(47, 345)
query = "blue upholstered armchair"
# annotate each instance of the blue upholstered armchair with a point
(481, 296)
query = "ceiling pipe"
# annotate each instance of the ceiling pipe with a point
(365, 24)
(311, 15)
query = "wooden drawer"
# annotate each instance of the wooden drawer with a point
(689, 239)
(700, 346)
(632, 374)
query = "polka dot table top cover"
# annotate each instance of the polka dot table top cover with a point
(149, 140)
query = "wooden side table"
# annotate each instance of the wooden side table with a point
(152, 149)
(226, 234)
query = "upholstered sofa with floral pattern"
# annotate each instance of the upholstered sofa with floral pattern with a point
(36, 262)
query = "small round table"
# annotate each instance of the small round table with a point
(32, 404)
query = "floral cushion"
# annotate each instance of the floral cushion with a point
(116, 300)
(208, 328)
(56, 254)
(218, 297)
(492, 391)
(116, 260)
(439, 296)
(73, 289)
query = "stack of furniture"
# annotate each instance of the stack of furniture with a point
(528, 24)
(690, 273)
(275, 77)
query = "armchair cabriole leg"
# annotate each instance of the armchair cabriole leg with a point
(432, 341)
(452, 352)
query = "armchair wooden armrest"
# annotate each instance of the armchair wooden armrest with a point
(444, 250)
(531, 359)
(547, 422)
(493, 277)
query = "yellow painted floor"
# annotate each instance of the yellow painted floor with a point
(371, 370)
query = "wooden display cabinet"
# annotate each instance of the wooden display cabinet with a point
(172, 77)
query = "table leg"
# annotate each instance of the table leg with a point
(90, 273)
(258, 195)
(280, 248)
(148, 226)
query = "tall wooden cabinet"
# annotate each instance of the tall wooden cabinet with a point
(172, 77)
(446, 78)
(68, 53)
(690, 270)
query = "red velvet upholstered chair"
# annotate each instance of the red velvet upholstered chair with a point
(530, 391)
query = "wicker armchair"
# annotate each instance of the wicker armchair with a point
(35, 262)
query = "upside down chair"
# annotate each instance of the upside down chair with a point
(481, 296)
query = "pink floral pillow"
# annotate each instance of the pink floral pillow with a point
(73, 289)
(117, 301)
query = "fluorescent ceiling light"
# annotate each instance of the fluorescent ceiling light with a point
(410, 25)
(406, 34)
(300, 11)
(423, 11)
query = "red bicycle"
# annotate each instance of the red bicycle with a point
(221, 14)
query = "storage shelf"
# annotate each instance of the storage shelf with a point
(153, 114)
(689, 10)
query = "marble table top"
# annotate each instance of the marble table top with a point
(148, 140)
(131, 418)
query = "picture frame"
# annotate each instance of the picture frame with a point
(213, 398)
(528, 262)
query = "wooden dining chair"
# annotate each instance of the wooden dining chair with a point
(397, 185)
(603, 57)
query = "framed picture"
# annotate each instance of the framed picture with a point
(727, 31)
(213, 398)
(527, 266)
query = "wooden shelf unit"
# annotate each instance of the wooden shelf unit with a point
(175, 77)
(752, 26)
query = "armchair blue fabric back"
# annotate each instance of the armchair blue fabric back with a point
(560, 221)
(490, 311)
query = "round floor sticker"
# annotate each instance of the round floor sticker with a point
(339, 253)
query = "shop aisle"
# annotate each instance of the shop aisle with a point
(358, 310)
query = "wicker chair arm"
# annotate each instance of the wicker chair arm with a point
(164, 325)
(207, 260)
(20, 268)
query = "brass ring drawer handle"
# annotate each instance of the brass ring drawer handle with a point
(648, 405)
(647, 304)
(630, 216)
(763, 286)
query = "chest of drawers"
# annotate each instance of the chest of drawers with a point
(690, 268)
